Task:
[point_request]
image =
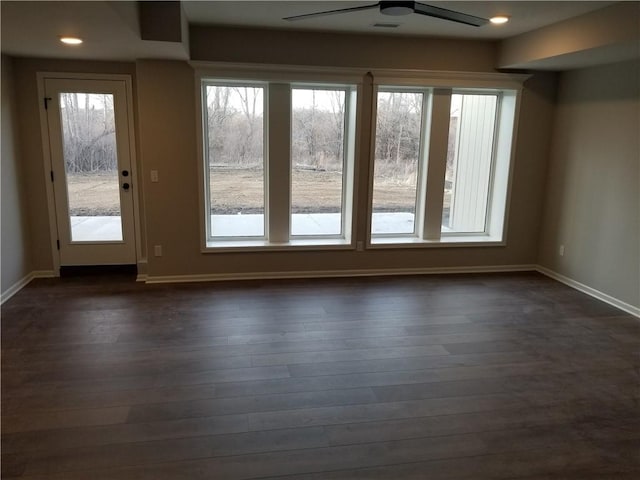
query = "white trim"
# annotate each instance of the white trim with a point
(218, 277)
(430, 184)
(296, 244)
(142, 270)
(512, 139)
(627, 307)
(138, 200)
(133, 167)
(277, 152)
(434, 77)
(15, 288)
(278, 73)
(459, 241)
(144, 277)
(23, 282)
(213, 277)
(203, 195)
(45, 274)
(445, 79)
(48, 168)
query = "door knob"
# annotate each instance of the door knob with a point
(125, 186)
(125, 173)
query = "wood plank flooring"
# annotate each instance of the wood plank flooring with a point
(501, 376)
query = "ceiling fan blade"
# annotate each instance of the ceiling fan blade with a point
(450, 15)
(330, 12)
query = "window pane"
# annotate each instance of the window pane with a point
(235, 156)
(317, 159)
(399, 120)
(466, 190)
(91, 166)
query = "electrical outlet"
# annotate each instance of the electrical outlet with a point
(561, 250)
(154, 176)
(157, 250)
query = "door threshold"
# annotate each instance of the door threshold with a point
(93, 270)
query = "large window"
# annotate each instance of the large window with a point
(317, 160)
(234, 144)
(441, 164)
(397, 161)
(469, 160)
(279, 153)
(279, 160)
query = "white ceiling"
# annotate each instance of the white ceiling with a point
(111, 29)
(525, 16)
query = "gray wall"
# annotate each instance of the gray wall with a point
(167, 143)
(28, 122)
(166, 136)
(593, 203)
(590, 183)
(15, 257)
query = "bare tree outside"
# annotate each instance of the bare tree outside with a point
(235, 133)
(90, 154)
(318, 129)
(235, 127)
(235, 136)
(399, 118)
(89, 132)
(317, 148)
(397, 152)
(235, 147)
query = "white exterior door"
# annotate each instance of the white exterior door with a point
(93, 186)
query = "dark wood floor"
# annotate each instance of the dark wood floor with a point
(439, 377)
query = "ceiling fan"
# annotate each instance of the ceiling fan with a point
(402, 8)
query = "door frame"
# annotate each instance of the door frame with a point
(48, 166)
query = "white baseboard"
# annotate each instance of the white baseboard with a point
(219, 277)
(590, 291)
(142, 270)
(15, 288)
(45, 274)
(23, 282)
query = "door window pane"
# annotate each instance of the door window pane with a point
(397, 150)
(91, 166)
(235, 160)
(469, 159)
(317, 160)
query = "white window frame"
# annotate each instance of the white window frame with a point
(348, 161)
(210, 238)
(279, 81)
(431, 187)
(494, 153)
(425, 122)
(367, 81)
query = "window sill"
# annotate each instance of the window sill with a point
(341, 244)
(445, 241)
(265, 245)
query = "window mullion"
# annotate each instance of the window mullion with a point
(349, 163)
(425, 131)
(279, 162)
(437, 158)
(207, 161)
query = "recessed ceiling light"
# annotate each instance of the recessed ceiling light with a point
(499, 19)
(71, 40)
